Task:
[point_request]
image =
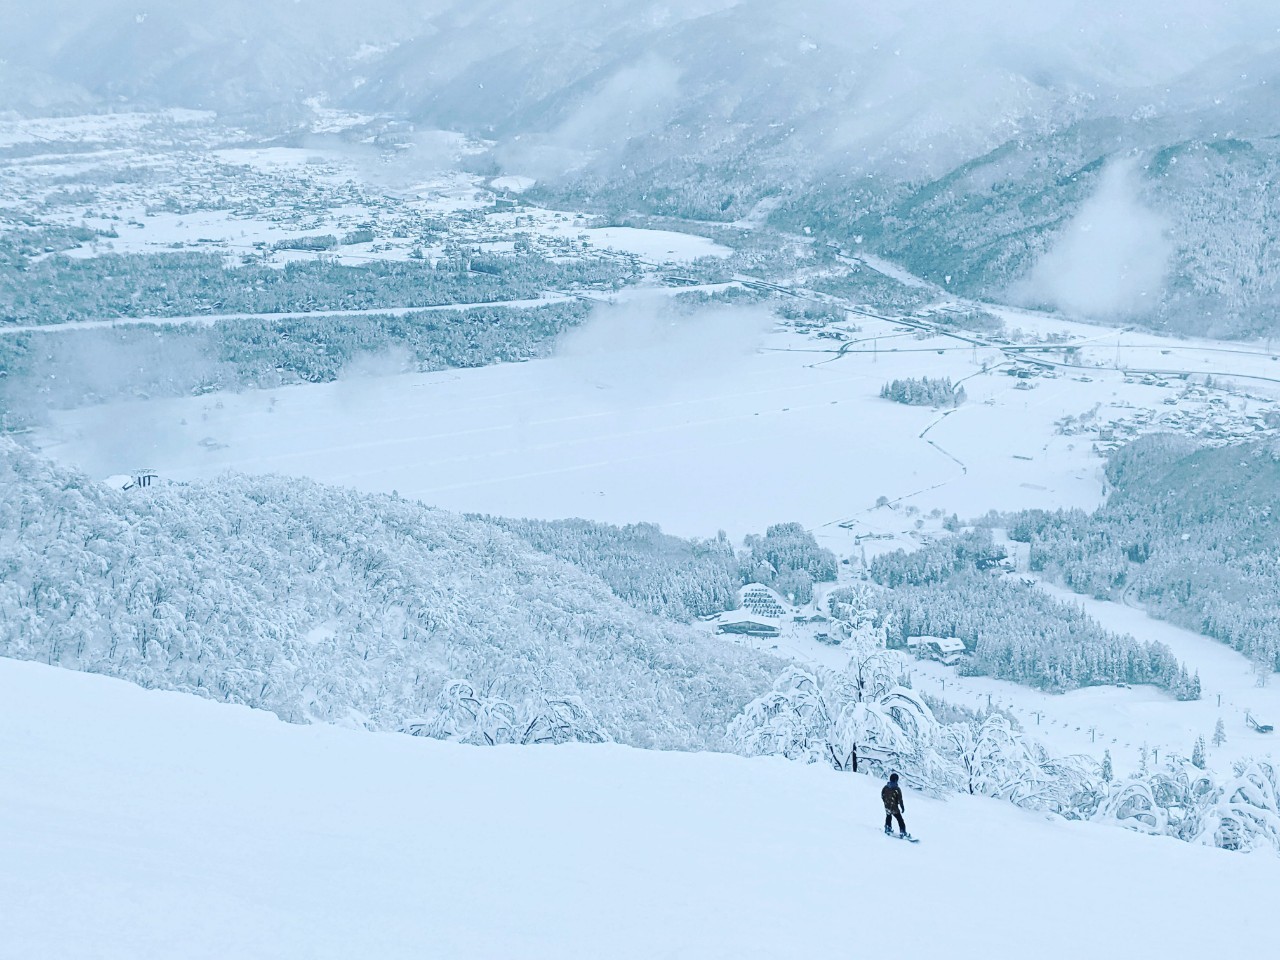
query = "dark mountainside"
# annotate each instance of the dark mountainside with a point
(957, 142)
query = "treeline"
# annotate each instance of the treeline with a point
(60, 289)
(1013, 631)
(924, 392)
(682, 578)
(31, 238)
(1191, 533)
(41, 370)
(936, 562)
(871, 288)
(665, 575)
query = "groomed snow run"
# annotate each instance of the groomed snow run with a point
(141, 824)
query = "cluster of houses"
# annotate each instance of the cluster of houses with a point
(762, 613)
(1195, 412)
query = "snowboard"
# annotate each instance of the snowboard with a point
(908, 837)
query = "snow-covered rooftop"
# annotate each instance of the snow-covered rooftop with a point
(944, 644)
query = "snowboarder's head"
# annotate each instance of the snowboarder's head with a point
(893, 778)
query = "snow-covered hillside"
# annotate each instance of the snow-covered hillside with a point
(324, 605)
(144, 825)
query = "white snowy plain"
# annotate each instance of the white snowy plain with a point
(142, 824)
(741, 429)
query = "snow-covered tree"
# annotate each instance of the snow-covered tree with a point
(993, 760)
(1246, 811)
(323, 604)
(1178, 799)
(825, 715)
(464, 715)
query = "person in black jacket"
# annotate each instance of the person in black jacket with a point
(891, 794)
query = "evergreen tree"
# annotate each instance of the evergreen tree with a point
(924, 392)
(1219, 734)
(1197, 753)
(1107, 774)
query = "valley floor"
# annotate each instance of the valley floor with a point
(141, 824)
(751, 427)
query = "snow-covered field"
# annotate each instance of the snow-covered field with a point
(146, 825)
(746, 425)
(743, 428)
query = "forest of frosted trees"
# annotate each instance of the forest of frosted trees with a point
(1013, 631)
(319, 603)
(1191, 533)
(60, 289)
(678, 578)
(661, 574)
(39, 369)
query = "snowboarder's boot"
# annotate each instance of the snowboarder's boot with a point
(888, 831)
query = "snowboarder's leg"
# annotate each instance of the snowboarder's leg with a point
(888, 820)
(902, 826)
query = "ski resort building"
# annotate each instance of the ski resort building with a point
(1257, 724)
(747, 623)
(947, 650)
(760, 613)
(135, 481)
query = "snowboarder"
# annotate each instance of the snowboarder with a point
(891, 794)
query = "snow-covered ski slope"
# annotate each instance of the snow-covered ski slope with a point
(141, 825)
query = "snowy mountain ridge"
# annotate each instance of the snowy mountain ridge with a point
(966, 143)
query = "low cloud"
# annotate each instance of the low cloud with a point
(636, 100)
(641, 348)
(1111, 258)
